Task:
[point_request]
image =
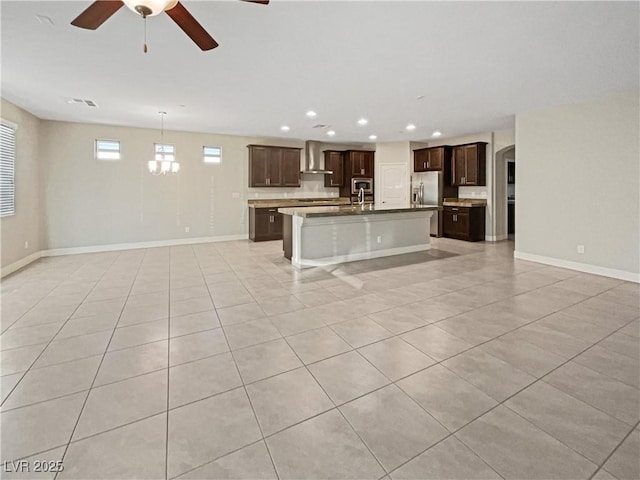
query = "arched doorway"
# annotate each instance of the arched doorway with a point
(504, 191)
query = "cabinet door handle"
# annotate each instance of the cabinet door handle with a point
(424, 164)
(427, 163)
(362, 171)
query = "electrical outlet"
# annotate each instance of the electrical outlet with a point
(379, 238)
(580, 248)
(26, 244)
(186, 229)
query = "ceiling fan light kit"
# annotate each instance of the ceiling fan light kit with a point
(150, 8)
(101, 10)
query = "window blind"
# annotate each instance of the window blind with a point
(7, 170)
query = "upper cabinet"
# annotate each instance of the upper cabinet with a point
(334, 161)
(469, 164)
(360, 163)
(274, 166)
(431, 159)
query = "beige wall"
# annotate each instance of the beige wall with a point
(90, 202)
(578, 181)
(26, 224)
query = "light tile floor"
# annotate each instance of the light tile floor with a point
(221, 361)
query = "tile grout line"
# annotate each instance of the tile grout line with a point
(255, 416)
(513, 395)
(602, 464)
(398, 335)
(86, 398)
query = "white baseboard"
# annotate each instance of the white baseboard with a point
(115, 247)
(23, 262)
(580, 267)
(352, 257)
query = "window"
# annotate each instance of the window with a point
(212, 154)
(7, 169)
(164, 152)
(107, 150)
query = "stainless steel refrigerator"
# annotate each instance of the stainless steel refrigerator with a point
(432, 192)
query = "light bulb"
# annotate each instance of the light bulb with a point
(165, 166)
(152, 165)
(175, 166)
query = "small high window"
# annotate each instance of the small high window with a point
(107, 150)
(212, 154)
(7, 169)
(165, 152)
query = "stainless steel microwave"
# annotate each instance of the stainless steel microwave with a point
(362, 182)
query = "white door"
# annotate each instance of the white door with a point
(394, 185)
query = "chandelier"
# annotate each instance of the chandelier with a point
(164, 155)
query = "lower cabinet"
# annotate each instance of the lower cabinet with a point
(464, 223)
(265, 224)
(511, 218)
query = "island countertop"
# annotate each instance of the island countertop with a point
(343, 210)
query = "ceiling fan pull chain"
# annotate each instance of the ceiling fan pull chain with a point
(145, 35)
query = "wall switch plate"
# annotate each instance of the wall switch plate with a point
(379, 239)
(580, 248)
(26, 244)
(186, 229)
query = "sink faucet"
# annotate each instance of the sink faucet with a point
(361, 196)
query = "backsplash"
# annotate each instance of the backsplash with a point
(311, 186)
(472, 192)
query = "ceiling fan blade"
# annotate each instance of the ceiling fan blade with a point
(263, 2)
(97, 13)
(191, 27)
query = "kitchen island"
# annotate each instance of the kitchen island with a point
(318, 236)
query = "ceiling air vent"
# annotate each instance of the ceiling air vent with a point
(319, 125)
(80, 101)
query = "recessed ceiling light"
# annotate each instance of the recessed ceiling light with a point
(363, 121)
(436, 134)
(331, 133)
(311, 114)
(411, 127)
(284, 128)
(373, 137)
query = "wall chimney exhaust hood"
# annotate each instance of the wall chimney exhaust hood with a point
(313, 159)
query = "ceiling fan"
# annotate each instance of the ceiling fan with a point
(101, 10)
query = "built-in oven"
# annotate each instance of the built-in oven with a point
(362, 183)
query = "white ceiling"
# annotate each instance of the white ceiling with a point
(477, 64)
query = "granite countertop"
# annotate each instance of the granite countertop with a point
(464, 202)
(342, 210)
(298, 202)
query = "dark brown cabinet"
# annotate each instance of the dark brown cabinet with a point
(360, 162)
(511, 218)
(265, 224)
(464, 223)
(511, 172)
(469, 165)
(274, 166)
(431, 159)
(334, 161)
